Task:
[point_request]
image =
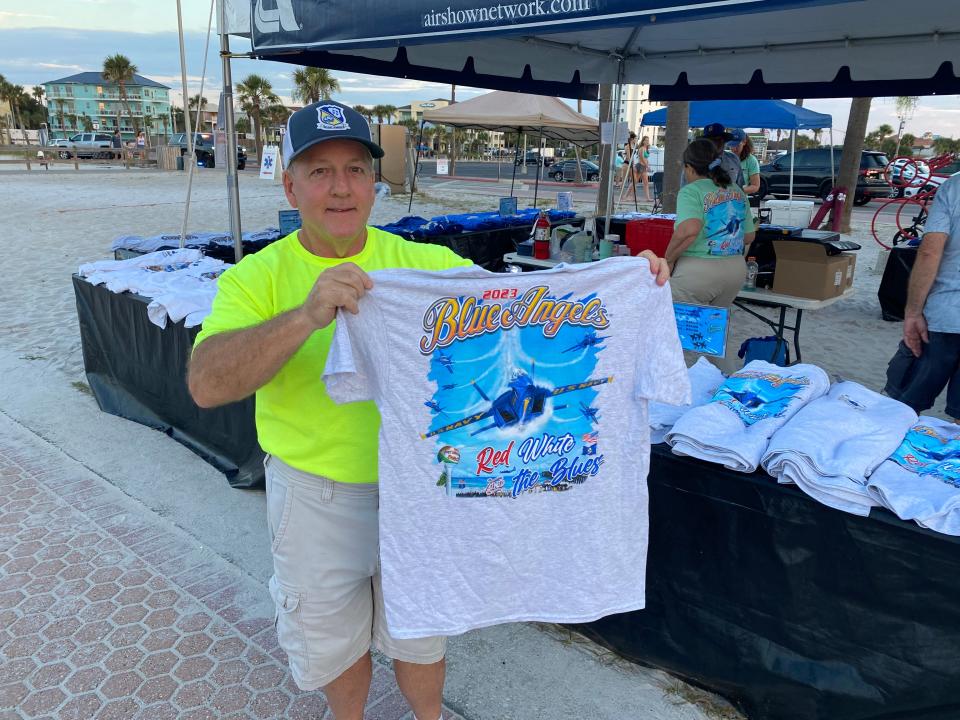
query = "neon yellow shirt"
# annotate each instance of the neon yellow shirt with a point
(296, 419)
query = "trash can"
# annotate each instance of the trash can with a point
(179, 162)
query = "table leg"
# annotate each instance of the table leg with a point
(796, 334)
(778, 331)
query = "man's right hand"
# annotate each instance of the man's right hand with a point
(341, 286)
(915, 333)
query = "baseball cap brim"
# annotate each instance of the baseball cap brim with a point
(289, 156)
(724, 135)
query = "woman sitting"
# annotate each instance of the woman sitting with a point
(712, 228)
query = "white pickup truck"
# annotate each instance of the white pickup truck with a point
(87, 145)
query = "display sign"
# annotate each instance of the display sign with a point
(289, 221)
(508, 206)
(443, 166)
(268, 164)
(565, 200)
(607, 137)
(702, 328)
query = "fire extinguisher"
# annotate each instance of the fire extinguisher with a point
(541, 237)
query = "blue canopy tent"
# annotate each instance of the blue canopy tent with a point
(568, 48)
(775, 114)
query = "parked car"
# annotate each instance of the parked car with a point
(204, 147)
(812, 176)
(533, 158)
(932, 182)
(567, 170)
(86, 145)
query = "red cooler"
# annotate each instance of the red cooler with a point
(649, 234)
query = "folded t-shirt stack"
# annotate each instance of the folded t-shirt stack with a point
(920, 481)
(414, 227)
(705, 378)
(181, 283)
(219, 244)
(735, 427)
(834, 443)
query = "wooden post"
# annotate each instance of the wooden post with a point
(76, 161)
(27, 155)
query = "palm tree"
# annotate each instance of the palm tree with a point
(365, 111)
(13, 95)
(61, 104)
(311, 84)
(884, 131)
(197, 103)
(851, 152)
(87, 123)
(675, 142)
(275, 115)
(382, 111)
(255, 93)
(164, 121)
(118, 70)
(38, 92)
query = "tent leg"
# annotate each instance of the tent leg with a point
(833, 178)
(793, 150)
(516, 160)
(186, 119)
(233, 185)
(614, 118)
(536, 183)
(416, 166)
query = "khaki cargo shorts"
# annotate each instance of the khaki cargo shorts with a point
(326, 582)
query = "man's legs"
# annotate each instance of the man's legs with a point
(422, 686)
(347, 695)
(918, 381)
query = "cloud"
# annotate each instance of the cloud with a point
(19, 15)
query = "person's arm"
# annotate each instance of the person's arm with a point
(232, 365)
(684, 235)
(922, 276)
(753, 184)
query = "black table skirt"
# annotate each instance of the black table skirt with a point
(789, 608)
(138, 371)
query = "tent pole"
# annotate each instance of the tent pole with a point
(516, 160)
(614, 119)
(233, 185)
(833, 179)
(793, 148)
(536, 183)
(416, 166)
(186, 118)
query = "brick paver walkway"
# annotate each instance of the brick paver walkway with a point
(109, 611)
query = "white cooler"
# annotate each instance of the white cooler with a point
(791, 213)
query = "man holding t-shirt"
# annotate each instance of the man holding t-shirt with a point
(269, 333)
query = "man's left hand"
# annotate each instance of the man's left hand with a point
(658, 266)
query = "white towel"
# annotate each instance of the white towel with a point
(705, 378)
(921, 479)
(833, 444)
(734, 428)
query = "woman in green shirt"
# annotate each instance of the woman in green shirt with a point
(742, 147)
(712, 228)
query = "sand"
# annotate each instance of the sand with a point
(66, 218)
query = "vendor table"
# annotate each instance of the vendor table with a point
(138, 371)
(782, 303)
(791, 609)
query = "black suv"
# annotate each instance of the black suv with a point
(811, 175)
(533, 158)
(203, 144)
(567, 170)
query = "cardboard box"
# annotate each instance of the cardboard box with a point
(805, 270)
(851, 267)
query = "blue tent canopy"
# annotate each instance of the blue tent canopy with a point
(775, 114)
(682, 48)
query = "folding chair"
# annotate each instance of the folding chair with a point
(657, 192)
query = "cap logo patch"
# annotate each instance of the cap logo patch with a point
(330, 117)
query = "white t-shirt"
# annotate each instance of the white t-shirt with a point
(921, 479)
(514, 443)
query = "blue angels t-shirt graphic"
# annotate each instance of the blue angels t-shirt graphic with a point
(932, 452)
(515, 389)
(723, 222)
(756, 396)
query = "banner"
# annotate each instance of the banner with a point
(268, 164)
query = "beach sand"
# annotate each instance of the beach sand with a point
(60, 220)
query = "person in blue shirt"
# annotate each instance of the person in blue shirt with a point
(928, 359)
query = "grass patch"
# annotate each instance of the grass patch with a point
(81, 387)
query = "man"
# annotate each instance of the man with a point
(928, 359)
(715, 133)
(269, 333)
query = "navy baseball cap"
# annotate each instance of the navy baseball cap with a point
(325, 120)
(716, 130)
(737, 136)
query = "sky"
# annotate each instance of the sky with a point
(40, 42)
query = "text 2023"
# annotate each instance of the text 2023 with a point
(505, 294)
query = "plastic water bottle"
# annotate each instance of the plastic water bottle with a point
(752, 269)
